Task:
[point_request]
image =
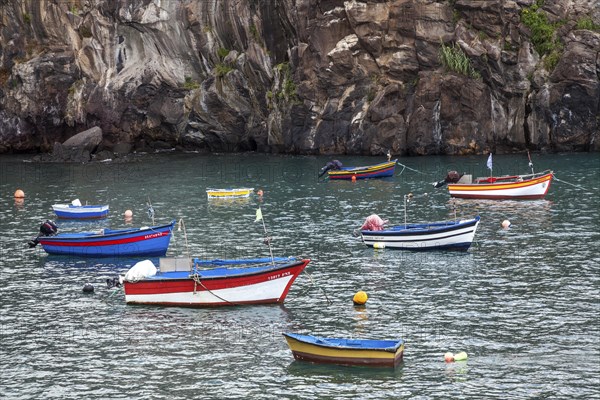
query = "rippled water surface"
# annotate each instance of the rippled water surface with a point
(523, 302)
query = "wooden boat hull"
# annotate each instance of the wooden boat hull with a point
(68, 211)
(376, 353)
(382, 170)
(147, 242)
(527, 189)
(448, 235)
(228, 193)
(217, 287)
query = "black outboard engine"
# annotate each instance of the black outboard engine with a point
(452, 177)
(48, 228)
(332, 165)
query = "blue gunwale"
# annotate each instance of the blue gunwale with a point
(108, 233)
(349, 344)
(227, 272)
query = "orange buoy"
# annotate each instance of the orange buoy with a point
(353, 178)
(19, 194)
(449, 357)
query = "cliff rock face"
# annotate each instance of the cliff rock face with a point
(302, 76)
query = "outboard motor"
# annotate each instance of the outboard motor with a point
(332, 165)
(48, 228)
(452, 177)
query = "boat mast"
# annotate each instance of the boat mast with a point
(267, 238)
(530, 163)
(150, 210)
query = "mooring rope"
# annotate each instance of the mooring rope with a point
(403, 168)
(313, 282)
(197, 281)
(577, 186)
(412, 169)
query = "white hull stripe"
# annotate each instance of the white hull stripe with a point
(272, 289)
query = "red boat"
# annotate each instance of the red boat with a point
(226, 283)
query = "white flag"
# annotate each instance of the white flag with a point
(258, 215)
(489, 162)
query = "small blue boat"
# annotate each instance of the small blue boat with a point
(70, 211)
(150, 241)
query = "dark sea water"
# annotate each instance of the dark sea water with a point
(524, 303)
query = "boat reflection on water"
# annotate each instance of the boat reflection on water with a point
(218, 202)
(344, 373)
(495, 211)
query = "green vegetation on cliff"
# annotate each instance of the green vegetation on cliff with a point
(455, 59)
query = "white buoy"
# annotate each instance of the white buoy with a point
(505, 224)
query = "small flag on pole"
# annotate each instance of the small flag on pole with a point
(258, 215)
(489, 162)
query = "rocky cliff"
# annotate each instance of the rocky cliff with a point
(302, 76)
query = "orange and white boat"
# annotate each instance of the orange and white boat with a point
(531, 187)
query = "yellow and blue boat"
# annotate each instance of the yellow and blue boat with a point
(228, 193)
(365, 352)
(336, 171)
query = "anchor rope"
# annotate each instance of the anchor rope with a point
(412, 169)
(319, 287)
(577, 186)
(197, 281)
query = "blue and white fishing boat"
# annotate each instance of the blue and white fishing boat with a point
(150, 241)
(76, 210)
(442, 235)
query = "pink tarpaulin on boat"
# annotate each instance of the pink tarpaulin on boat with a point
(374, 223)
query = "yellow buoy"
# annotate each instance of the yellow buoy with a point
(379, 245)
(462, 356)
(360, 298)
(19, 194)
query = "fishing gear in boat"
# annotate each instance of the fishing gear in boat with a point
(48, 228)
(333, 165)
(451, 177)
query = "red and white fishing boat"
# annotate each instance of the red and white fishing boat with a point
(188, 283)
(532, 186)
